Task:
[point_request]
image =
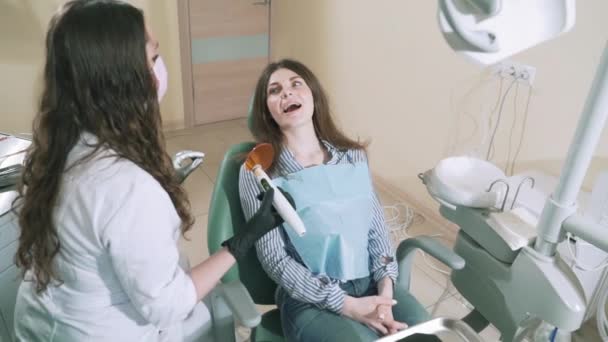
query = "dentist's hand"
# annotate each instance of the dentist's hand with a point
(365, 310)
(264, 220)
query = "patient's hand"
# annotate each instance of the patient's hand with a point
(385, 316)
(385, 312)
(365, 310)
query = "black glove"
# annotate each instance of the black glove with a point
(260, 197)
(264, 220)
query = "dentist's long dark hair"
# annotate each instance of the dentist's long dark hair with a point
(96, 79)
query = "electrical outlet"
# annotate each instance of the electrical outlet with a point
(523, 73)
(527, 73)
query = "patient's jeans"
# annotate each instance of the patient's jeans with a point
(305, 322)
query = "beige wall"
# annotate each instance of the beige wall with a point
(392, 78)
(22, 30)
(21, 38)
(162, 16)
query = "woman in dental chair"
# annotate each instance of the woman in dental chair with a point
(336, 282)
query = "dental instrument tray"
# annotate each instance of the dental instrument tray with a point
(12, 153)
(444, 328)
(9, 175)
(463, 181)
(475, 194)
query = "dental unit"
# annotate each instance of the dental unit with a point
(510, 244)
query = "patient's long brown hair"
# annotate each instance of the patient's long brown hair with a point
(96, 79)
(265, 129)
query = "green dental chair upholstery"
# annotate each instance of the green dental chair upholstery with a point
(226, 218)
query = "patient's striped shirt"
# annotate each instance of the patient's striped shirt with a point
(279, 257)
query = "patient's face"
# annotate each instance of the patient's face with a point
(289, 99)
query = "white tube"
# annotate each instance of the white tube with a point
(602, 322)
(280, 203)
(575, 167)
(587, 230)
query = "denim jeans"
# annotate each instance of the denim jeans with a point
(305, 322)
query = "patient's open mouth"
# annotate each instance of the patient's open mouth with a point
(292, 107)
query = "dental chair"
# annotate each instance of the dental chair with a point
(10, 277)
(226, 218)
(9, 274)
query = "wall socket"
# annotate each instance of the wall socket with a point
(523, 73)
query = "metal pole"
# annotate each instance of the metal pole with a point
(562, 203)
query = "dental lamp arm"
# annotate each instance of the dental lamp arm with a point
(405, 256)
(587, 230)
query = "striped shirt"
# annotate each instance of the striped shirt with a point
(279, 257)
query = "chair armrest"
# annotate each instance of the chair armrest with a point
(240, 303)
(434, 248)
(405, 256)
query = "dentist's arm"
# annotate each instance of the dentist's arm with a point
(138, 231)
(209, 272)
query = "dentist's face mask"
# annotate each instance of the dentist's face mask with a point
(160, 72)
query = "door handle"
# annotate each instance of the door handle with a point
(261, 3)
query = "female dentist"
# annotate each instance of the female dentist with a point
(100, 209)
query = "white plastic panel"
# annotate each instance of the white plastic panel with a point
(9, 230)
(464, 181)
(519, 25)
(9, 283)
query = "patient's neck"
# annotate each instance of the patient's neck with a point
(305, 146)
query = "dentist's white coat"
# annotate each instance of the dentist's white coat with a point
(118, 261)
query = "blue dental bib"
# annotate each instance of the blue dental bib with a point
(336, 204)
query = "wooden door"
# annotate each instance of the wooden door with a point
(229, 44)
